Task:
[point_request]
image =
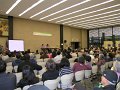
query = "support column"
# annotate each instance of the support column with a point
(61, 36)
(88, 39)
(10, 28)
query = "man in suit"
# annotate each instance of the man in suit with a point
(7, 80)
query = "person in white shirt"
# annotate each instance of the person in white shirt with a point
(58, 58)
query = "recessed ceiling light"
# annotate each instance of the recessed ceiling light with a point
(92, 16)
(34, 5)
(13, 6)
(66, 9)
(82, 10)
(48, 8)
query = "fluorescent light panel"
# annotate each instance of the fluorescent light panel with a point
(99, 20)
(81, 10)
(41, 34)
(94, 19)
(34, 5)
(48, 8)
(105, 22)
(13, 6)
(88, 13)
(66, 9)
(93, 16)
(99, 24)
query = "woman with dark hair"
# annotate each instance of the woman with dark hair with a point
(29, 77)
(65, 67)
(51, 72)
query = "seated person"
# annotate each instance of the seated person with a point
(26, 61)
(116, 68)
(65, 67)
(101, 61)
(88, 62)
(109, 81)
(29, 77)
(7, 80)
(51, 72)
(17, 61)
(78, 66)
(32, 58)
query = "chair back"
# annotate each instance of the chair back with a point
(66, 81)
(15, 68)
(118, 86)
(18, 76)
(52, 84)
(79, 75)
(102, 68)
(26, 87)
(94, 69)
(88, 73)
(106, 65)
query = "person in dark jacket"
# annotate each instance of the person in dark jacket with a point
(7, 80)
(109, 81)
(51, 72)
(26, 61)
(29, 77)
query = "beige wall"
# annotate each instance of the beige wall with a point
(75, 35)
(23, 29)
(84, 39)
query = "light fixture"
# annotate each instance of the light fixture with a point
(13, 6)
(95, 19)
(96, 25)
(79, 11)
(92, 16)
(104, 22)
(48, 8)
(66, 9)
(98, 21)
(41, 34)
(34, 5)
(85, 13)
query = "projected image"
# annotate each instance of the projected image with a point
(17, 45)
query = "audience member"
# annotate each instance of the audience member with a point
(78, 66)
(88, 62)
(29, 77)
(7, 80)
(17, 61)
(51, 72)
(26, 61)
(58, 58)
(65, 67)
(108, 80)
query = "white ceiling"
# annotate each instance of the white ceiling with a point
(86, 14)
